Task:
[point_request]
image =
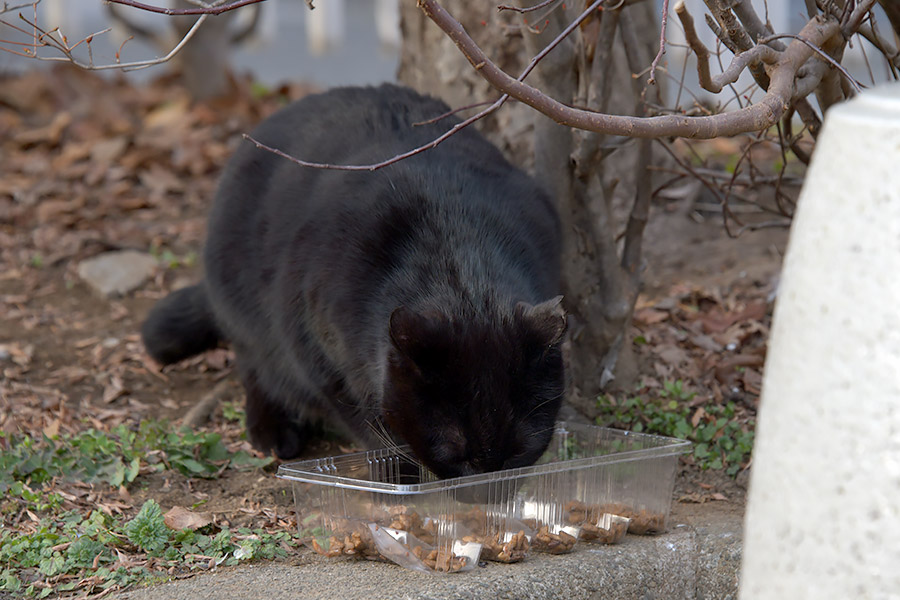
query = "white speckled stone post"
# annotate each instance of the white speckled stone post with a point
(823, 519)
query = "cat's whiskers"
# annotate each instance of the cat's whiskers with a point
(385, 438)
(547, 401)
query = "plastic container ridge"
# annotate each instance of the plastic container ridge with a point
(592, 484)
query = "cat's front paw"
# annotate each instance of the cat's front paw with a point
(286, 439)
(272, 429)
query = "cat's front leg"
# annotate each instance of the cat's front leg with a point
(271, 426)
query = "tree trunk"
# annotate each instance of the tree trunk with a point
(204, 60)
(430, 63)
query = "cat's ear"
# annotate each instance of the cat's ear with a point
(415, 334)
(547, 318)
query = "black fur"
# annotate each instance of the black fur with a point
(180, 325)
(420, 296)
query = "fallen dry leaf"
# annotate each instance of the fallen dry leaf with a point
(20, 354)
(52, 429)
(718, 321)
(179, 518)
(727, 371)
(650, 316)
(752, 381)
(50, 133)
(114, 390)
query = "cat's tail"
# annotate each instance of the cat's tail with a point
(180, 325)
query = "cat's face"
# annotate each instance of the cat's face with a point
(471, 398)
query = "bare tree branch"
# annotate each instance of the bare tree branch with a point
(7, 8)
(640, 211)
(745, 12)
(855, 18)
(731, 28)
(698, 47)
(883, 45)
(756, 117)
(45, 39)
(824, 55)
(756, 54)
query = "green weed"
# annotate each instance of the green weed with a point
(171, 260)
(232, 411)
(720, 440)
(117, 457)
(68, 549)
(61, 550)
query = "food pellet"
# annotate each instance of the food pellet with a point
(553, 543)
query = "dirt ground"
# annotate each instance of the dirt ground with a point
(89, 165)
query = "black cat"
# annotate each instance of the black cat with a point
(418, 300)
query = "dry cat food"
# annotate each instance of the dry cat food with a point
(473, 520)
(596, 524)
(356, 542)
(554, 543)
(609, 529)
(513, 550)
(643, 521)
(404, 520)
(441, 560)
(509, 551)
(354, 538)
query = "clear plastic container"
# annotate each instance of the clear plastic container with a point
(592, 483)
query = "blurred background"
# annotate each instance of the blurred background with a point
(340, 42)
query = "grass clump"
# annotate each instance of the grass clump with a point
(116, 457)
(54, 543)
(722, 440)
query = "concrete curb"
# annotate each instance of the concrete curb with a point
(699, 558)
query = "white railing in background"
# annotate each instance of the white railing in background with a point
(325, 26)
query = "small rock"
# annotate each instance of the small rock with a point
(117, 273)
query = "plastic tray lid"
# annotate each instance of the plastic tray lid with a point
(609, 446)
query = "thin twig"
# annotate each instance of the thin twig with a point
(450, 113)
(379, 165)
(7, 8)
(201, 411)
(497, 104)
(781, 224)
(778, 194)
(45, 39)
(205, 10)
(715, 192)
(743, 180)
(662, 43)
(519, 10)
(818, 51)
